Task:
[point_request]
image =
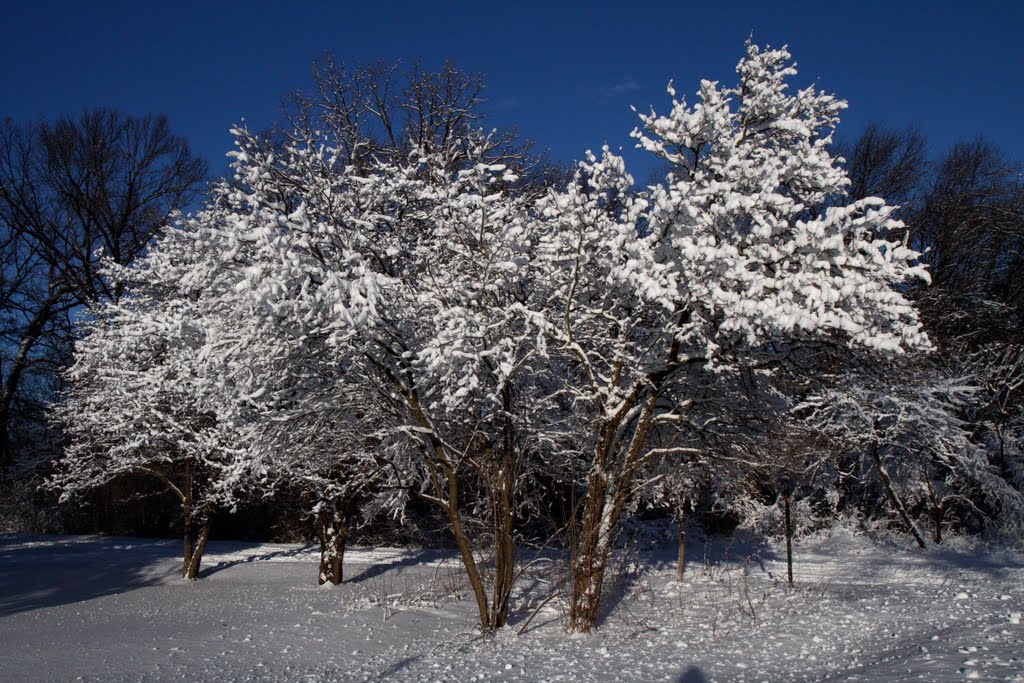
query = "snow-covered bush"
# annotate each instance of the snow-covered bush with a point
(908, 428)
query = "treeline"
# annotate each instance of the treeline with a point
(390, 313)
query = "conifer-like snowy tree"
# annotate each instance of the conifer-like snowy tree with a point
(737, 253)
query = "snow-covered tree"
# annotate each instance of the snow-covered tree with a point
(910, 428)
(139, 403)
(491, 335)
(736, 254)
(398, 281)
(235, 317)
(999, 419)
(281, 265)
(455, 356)
(328, 453)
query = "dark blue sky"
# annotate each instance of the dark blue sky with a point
(566, 72)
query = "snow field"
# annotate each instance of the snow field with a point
(90, 608)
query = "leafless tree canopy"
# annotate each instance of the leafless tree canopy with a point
(72, 192)
(887, 163)
(382, 111)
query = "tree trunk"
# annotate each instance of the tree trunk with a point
(503, 492)
(789, 535)
(894, 500)
(332, 529)
(504, 545)
(186, 513)
(938, 515)
(447, 495)
(592, 552)
(938, 508)
(681, 521)
(193, 562)
(193, 547)
(493, 613)
(445, 481)
(18, 365)
(608, 488)
(472, 569)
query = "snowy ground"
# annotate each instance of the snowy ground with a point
(89, 608)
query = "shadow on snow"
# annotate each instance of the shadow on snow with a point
(49, 571)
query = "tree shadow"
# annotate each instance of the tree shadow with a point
(714, 554)
(398, 666)
(48, 571)
(227, 564)
(547, 593)
(413, 557)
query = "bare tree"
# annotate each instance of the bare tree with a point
(379, 112)
(73, 192)
(972, 225)
(887, 163)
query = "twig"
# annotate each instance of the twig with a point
(537, 611)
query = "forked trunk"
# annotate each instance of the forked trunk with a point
(193, 561)
(504, 550)
(608, 489)
(445, 481)
(493, 611)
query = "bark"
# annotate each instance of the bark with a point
(786, 499)
(609, 485)
(504, 550)
(592, 551)
(193, 546)
(332, 529)
(502, 484)
(192, 562)
(466, 553)
(493, 612)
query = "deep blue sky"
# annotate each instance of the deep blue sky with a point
(566, 72)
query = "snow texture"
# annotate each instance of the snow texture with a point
(112, 609)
